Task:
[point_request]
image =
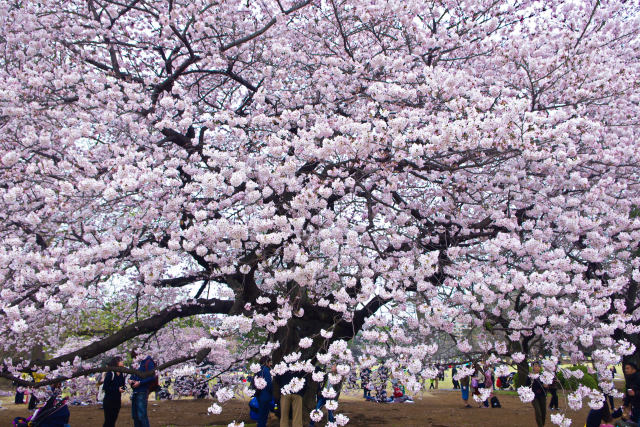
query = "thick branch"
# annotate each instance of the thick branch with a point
(151, 324)
(199, 357)
(262, 30)
(179, 281)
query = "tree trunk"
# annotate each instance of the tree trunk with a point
(523, 373)
(309, 402)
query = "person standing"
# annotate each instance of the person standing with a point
(265, 396)
(464, 388)
(632, 394)
(321, 400)
(290, 399)
(553, 390)
(440, 375)
(477, 381)
(365, 378)
(454, 371)
(540, 400)
(113, 388)
(140, 395)
(488, 382)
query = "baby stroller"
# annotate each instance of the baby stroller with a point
(54, 413)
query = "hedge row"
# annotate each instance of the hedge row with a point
(572, 383)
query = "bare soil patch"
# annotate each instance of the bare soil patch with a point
(442, 408)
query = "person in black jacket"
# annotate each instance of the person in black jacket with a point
(113, 388)
(632, 387)
(596, 417)
(456, 384)
(540, 401)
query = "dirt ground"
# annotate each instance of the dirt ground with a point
(441, 408)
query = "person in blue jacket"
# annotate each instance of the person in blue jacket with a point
(265, 396)
(140, 393)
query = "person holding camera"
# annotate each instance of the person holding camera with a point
(113, 386)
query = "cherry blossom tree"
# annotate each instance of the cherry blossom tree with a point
(287, 169)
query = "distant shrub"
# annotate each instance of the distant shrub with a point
(572, 383)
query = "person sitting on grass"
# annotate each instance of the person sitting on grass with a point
(399, 394)
(624, 413)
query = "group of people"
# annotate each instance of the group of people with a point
(627, 415)
(289, 398)
(433, 382)
(472, 385)
(378, 383)
(115, 384)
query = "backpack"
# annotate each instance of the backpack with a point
(154, 385)
(495, 403)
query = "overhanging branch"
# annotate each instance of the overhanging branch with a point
(151, 324)
(199, 357)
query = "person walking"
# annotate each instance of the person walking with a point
(265, 396)
(113, 388)
(140, 395)
(464, 389)
(540, 400)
